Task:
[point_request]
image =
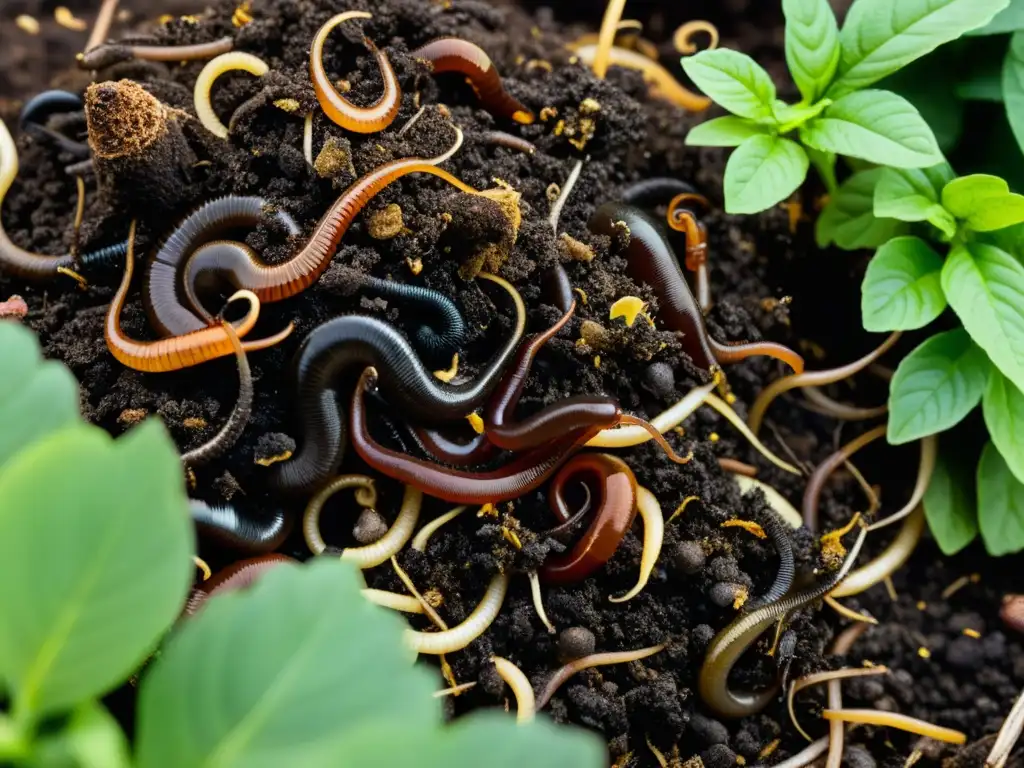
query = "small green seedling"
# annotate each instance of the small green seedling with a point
(839, 114)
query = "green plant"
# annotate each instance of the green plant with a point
(95, 541)
(838, 114)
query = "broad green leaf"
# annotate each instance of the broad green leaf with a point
(812, 45)
(790, 116)
(36, 396)
(874, 125)
(985, 287)
(1009, 239)
(936, 386)
(849, 219)
(1013, 86)
(506, 744)
(733, 80)
(95, 541)
(1000, 504)
(763, 171)
(91, 738)
(1010, 19)
(279, 674)
(930, 85)
(902, 287)
(984, 202)
(728, 131)
(910, 195)
(1003, 405)
(949, 504)
(881, 36)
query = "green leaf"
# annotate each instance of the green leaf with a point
(1003, 405)
(539, 744)
(95, 541)
(763, 171)
(728, 131)
(949, 505)
(1013, 86)
(1000, 504)
(91, 738)
(280, 674)
(985, 287)
(1010, 19)
(733, 80)
(812, 45)
(790, 116)
(910, 195)
(984, 202)
(849, 219)
(878, 126)
(930, 85)
(936, 386)
(881, 36)
(902, 287)
(36, 397)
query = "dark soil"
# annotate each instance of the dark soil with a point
(939, 673)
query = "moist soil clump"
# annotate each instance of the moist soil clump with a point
(952, 663)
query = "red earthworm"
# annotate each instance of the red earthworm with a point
(244, 270)
(520, 476)
(372, 119)
(210, 221)
(108, 54)
(345, 342)
(507, 140)
(816, 482)
(180, 351)
(650, 259)
(616, 490)
(452, 54)
(239, 575)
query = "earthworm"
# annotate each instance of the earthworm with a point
(817, 678)
(42, 105)
(538, 601)
(593, 660)
(108, 254)
(243, 269)
(606, 37)
(729, 645)
(889, 561)
(779, 503)
(813, 379)
(435, 444)
(737, 467)
(14, 260)
(520, 476)
(108, 54)
(670, 418)
(366, 497)
(378, 115)
(239, 575)
(682, 38)
(652, 191)
(229, 527)
(816, 482)
(435, 347)
(821, 403)
(557, 288)
(507, 140)
(776, 529)
(520, 685)
(419, 542)
(896, 720)
(379, 551)
(665, 85)
(925, 468)
(211, 220)
(654, 535)
(226, 62)
(393, 600)
(836, 730)
(179, 351)
(452, 54)
(337, 345)
(458, 637)
(696, 258)
(807, 755)
(616, 507)
(650, 259)
(235, 425)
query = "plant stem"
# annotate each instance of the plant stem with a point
(825, 163)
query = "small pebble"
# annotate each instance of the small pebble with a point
(723, 594)
(725, 569)
(718, 756)
(965, 653)
(576, 642)
(370, 527)
(660, 379)
(702, 635)
(709, 731)
(858, 757)
(688, 557)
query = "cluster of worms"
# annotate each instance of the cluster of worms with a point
(507, 456)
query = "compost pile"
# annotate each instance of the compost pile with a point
(768, 281)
